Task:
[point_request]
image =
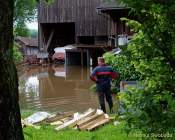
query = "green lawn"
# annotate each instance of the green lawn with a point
(107, 132)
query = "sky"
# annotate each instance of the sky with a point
(32, 25)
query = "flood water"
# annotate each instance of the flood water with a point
(56, 88)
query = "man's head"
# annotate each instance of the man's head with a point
(101, 61)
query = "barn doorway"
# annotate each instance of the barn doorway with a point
(57, 35)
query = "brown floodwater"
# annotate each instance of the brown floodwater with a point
(56, 88)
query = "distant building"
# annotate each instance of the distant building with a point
(29, 49)
(29, 45)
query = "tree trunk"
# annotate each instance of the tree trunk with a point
(10, 119)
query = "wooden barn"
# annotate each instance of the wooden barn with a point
(117, 29)
(29, 49)
(29, 46)
(65, 22)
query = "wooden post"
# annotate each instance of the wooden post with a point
(82, 57)
(40, 34)
(88, 58)
(43, 40)
(66, 58)
(50, 39)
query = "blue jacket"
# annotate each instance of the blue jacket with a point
(103, 76)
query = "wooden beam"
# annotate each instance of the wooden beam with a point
(50, 39)
(58, 123)
(92, 122)
(59, 117)
(102, 122)
(89, 119)
(73, 122)
(82, 57)
(44, 40)
(40, 33)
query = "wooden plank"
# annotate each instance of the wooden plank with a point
(64, 120)
(72, 122)
(82, 57)
(83, 116)
(59, 117)
(50, 39)
(88, 119)
(57, 123)
(92, 122)
(98, 113)
(102, 122)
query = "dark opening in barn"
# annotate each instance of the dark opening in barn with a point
(77, 57)
(89, 40)
(58, 35)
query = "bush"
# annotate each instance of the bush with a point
(122, 65)
(17, 55)
(152, 109)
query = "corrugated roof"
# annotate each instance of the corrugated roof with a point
(33, 42)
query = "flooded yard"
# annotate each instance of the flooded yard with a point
(56, 88)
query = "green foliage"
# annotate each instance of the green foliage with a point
(49, 1)
(17, 55)
(152, 109)
(122, 65)
(24, 11)
(21, 30)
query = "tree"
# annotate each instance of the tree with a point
(24, 11)
(10, 120)
(121, 63)
(151, 109)
(21, 29)
(17, 55)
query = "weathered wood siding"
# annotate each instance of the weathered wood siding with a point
(82, 12)
(115, 25)
(31, 51)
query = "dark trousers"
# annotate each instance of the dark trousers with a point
(102, 95)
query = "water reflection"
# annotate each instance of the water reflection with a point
(32, 85)
(56, 89)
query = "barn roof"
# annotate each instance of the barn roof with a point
(111, 5)
(31, 42)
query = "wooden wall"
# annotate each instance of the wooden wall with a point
(82, 12)
(115, 25)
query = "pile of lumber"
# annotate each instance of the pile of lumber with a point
(93, 121)
(89, 120)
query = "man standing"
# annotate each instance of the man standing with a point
(103, 76)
